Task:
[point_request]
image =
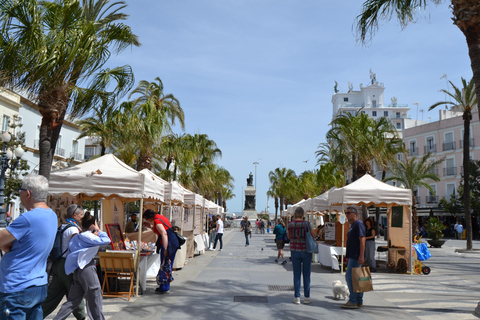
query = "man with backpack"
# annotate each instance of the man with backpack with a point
(61, 282)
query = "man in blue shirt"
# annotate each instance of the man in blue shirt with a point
(355, 255)
(27, 242)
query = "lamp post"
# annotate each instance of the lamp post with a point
(7, 155)
(255, 163)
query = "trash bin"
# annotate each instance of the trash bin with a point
(385, 233)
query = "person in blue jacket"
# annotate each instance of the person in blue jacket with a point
(280, 233)
(82, 249)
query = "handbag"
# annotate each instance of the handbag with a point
(312, 246)
(362, 279)
(181, 239)
(285, 238)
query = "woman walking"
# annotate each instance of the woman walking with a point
(370, 244)
(301, 259)
(280, 232)
(167, 245)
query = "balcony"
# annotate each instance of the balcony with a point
(450, 171)
(433, 170)
(431, 199)
(60, 152)
(449, 146)
(471, 143)
(76, 156)
(430, 148)
(413, 151)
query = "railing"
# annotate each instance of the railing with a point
(431, 199)
(76, 156)
(433, 170)
(449, 171)
(413, 151)
(60, 152)
(471, 143)
(430, 148)
(449, 146)
(395, 116)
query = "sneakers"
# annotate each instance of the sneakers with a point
(307, 301)
(296, 300)
(349, 305)
(221, 249)
(359, 304)
(284, 262)
(213, 249)
(276, 260)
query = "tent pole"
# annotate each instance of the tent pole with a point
(343, 236)
(139, 246)
(410, 239)
(182, 213)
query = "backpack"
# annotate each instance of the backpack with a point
(262, 224)
(57, 252)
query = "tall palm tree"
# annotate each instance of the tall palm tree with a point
(413, 173)
(56, 50)
(464, 100)
(157, 112)
(272, 192)
(466, 16)
(282, 180)
(328, 176)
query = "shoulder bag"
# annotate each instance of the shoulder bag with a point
(312, 246)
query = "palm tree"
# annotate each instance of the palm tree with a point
(466, 15)
(272, 192)
(413, 173)
(464, 100)
(282, 181)
(49, 49)
(157, 113)
(328, 176)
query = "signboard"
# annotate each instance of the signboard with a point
(330, 231)
(397, 217)
(116, 236)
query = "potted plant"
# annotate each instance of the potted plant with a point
(435, 232)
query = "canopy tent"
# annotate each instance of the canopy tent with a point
(173, 202)
(369, 191)
(320, 203)
(105, 177)
(195, 203)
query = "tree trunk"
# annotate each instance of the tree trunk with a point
(276, 208)
(414, 217)
(467, 116)
(144, 161)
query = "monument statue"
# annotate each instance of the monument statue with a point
(250, 180)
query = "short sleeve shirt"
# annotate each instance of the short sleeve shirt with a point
(24, 266)
(356, 230)
(297, 230)
(220, 226)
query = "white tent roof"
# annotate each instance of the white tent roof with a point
(369, 191)
(193, 199)
(159, 182)
(320, 203)
(104, 177)
(174, 192)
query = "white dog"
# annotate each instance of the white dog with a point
(340, 289)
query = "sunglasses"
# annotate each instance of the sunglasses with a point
(21, 189)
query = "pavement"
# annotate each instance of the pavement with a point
(244, 283)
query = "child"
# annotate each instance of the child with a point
(82, 249)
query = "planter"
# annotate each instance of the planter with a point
(436, 243)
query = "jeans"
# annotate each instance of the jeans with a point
(212, 237)
(25, 304)
(166, 286)
(370, 254)
(355, 297)
(299, 258)
(246, 239)
(218, 237)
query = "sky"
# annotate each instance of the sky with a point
(257, 76)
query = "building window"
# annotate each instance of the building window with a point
(385, 113)
(450, 191)
(374, 103)
(399, 125)
(430, 145)
(6, 119)
(397, 115)
(345, 99)
(89, 152)
(413, 148)
(374, 113)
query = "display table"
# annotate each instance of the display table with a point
(327, 255)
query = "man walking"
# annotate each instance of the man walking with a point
(61, 282)
(219, 235)
(247, 228)
(28, 241)
(355, 255)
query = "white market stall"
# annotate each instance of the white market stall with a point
(108, 178)
(369, 191)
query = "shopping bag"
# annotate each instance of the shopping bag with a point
(422, 251)
(362, 279)
(312, 246)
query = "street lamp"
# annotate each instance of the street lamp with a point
(255, 163)
(7, 155)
